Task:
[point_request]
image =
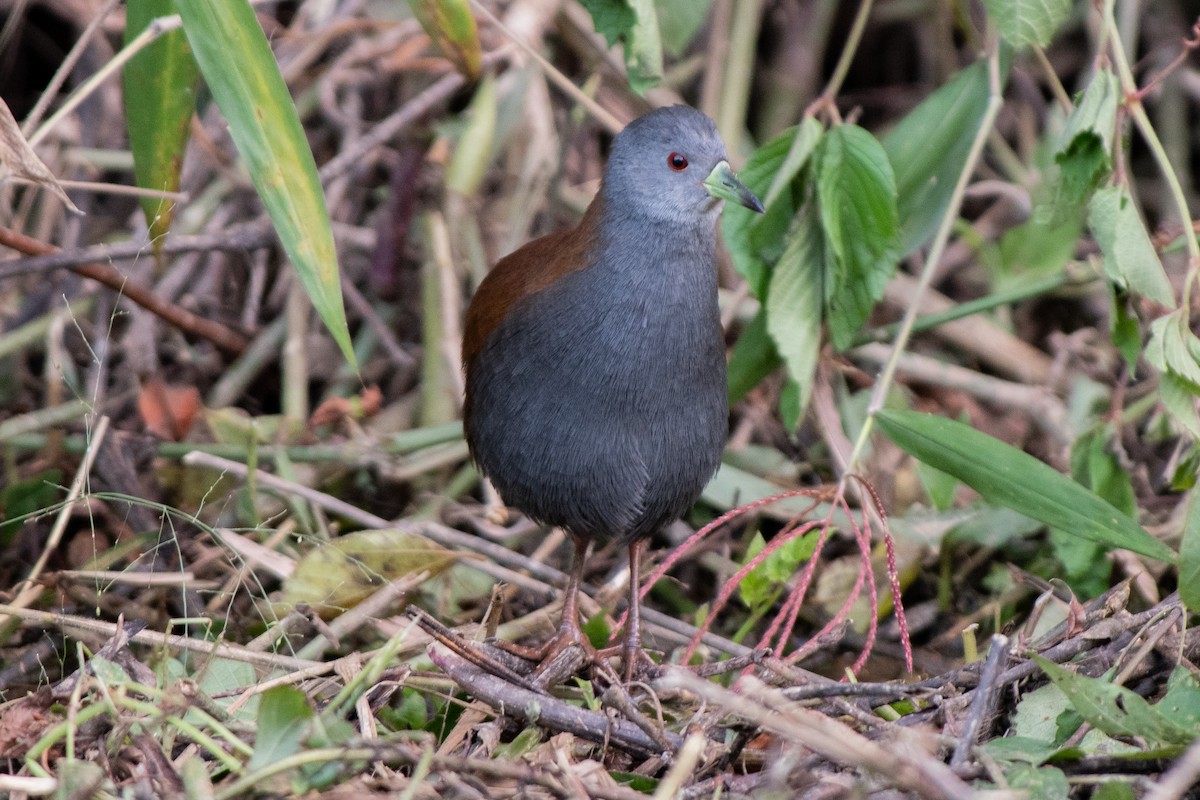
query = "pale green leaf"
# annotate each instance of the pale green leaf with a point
(1189, 555)
(794, 304)
(1096, 112)
(1129, 255)
(236, 62)
(1116, 710)
(347, 570)
(1007, 476)
(452, 28)
(1026, 22)
(160, 97)
(928, 149)
(284, 716)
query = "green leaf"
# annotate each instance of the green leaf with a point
(1179, 398)
(793, 306)
(633, 23)
(347, 570)
(241, 72)
(679, 21)
(762, 582)
(754, 357)
(1116, 710)
(1129, 256)
(1174, 348)
(160, 97)
(856, 196)
(452, 28)
(928, 149)
(1025, 22)
(1189, 555)
(755, 241)
(1007, 476)
(614, 19)
(1095, 465)
(284, 717)
(1096, 112)
(1126, 333)
(1038, 783)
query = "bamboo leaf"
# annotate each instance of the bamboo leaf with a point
(1009, 477)
(241, 72)
(160, 97)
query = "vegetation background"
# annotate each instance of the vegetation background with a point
(220, 511)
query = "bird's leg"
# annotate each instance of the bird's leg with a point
(569, 649)
(633, 654)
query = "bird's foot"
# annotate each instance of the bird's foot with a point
(558, 659)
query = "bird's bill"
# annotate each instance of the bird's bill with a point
(723, 184)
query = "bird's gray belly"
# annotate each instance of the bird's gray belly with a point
(608, 433)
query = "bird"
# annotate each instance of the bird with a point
(594, 360)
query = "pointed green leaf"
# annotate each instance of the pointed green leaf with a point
(1189, 555)
(1024, 22)
(754, 357)
(755, 241)
(856, 196)
(1129, 256)
(928, 149)
(794, 303)
(283, 720)
(160, 97)
(1116, 710)
(241, 72)
(452, 27)
(1007, 476)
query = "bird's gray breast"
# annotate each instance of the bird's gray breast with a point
(600, 402)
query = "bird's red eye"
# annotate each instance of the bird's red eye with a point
(677, 162)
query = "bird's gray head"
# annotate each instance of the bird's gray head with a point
(670, 165)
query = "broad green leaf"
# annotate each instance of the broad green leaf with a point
(337, 575)
(284, 718)
(614, 19)
(633, 23)
(804, 141)
(160, 97)
(1007, 476)
(754, 357)
(1175, 352)
(1096, 112)
(1189, 555)
(928, 149)
(755, 241)
(679, 21)
(1179, 398)
(1025, 22)
(241, 72)
(1129, 256)
(1038, 783)
(1116, 710)
(793, 306)
(856, 197)
(452, 27)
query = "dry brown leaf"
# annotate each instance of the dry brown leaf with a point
(17, 157)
